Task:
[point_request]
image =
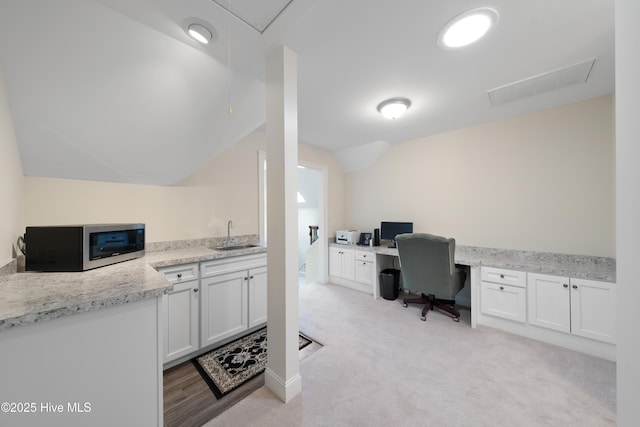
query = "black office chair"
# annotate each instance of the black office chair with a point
(428, 266)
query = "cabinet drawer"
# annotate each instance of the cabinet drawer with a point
(364, 272)
(506, 301)
(364, 256)
(231, 264)
(180, 273)
(505, 277)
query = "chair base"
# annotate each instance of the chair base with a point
(431, 302)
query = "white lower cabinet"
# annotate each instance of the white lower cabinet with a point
(503, 293)
(234, 297)
(342, 263)
(579, 314)
(212, 301)
(364, 267)
(578, 306)
(181, 314)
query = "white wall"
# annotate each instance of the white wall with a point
(170, 213)
(628, 209)
(11, 225)
(225, 189)
(541, 181)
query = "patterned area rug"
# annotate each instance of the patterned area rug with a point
(228, 367)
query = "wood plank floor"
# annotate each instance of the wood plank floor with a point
(189, 402)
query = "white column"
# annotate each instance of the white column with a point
(282, 375)
(627, 209)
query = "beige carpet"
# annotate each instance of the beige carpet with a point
(381, 366)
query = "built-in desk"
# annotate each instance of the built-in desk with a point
(585, 285)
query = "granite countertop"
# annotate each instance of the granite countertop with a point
(33, 297)
(578, 266)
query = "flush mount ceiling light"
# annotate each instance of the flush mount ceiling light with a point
(394, 107)
(466, 28)
(200, 30)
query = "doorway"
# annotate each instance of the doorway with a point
(312, 211)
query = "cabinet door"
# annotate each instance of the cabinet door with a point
(257, 296)
(335, 262)
(508, 302)
(548, 301)
(348, 264)
(224, 304)
(180, 323)
(342, 263)
(593, 309)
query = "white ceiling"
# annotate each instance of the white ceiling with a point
(115, 90)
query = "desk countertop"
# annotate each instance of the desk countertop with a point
(579, 266)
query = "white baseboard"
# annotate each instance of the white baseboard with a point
(284, 390)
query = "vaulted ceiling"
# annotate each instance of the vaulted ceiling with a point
(115, 90)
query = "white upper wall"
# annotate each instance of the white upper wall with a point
(10, 182)
(541, 181)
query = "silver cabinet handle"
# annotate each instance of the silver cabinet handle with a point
(246, 278)
(251, 277)
(575, 286)
(502, 276)
(196, 290)
(179, 275)
(564, 285)
(502, 288)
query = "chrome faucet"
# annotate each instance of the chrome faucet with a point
(229, 240)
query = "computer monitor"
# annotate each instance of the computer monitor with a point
(389, 230)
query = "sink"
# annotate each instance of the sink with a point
(234, 247)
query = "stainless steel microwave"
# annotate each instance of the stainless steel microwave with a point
(81, 247)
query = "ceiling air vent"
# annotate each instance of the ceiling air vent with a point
(546, 82)
(257, 14)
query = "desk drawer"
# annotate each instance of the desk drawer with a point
(364, 256)
(505, 277)
(508, 302)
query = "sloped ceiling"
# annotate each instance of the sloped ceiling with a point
(115, 90)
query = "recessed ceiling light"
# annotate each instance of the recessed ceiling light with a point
(394, 107)
(200, 33)
(466, 28)
(200, 30)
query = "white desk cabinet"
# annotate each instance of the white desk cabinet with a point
(503, 293)
(181, 314)
(342, 263)
(364, 266)
(578, 306)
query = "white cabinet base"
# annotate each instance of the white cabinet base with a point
(592, 307)
(353, 268)
(561, 339)
(358, 286)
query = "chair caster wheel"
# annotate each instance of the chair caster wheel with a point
(423, 318)
(456, 319)
(405, 305)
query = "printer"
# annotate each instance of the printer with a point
(347, 237)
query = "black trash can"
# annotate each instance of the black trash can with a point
(389, 283)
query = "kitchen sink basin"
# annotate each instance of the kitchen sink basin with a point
(234, 247)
